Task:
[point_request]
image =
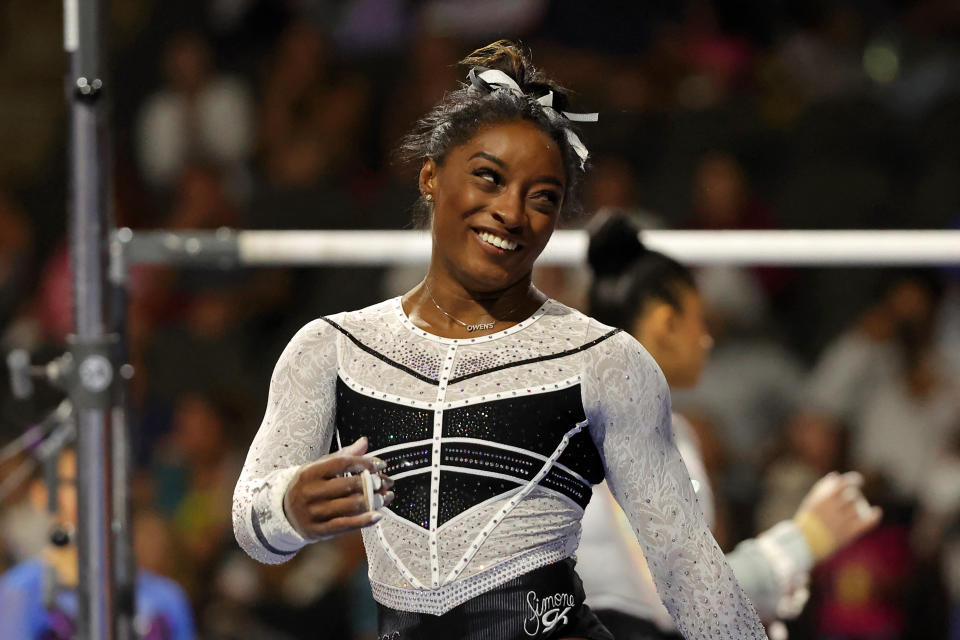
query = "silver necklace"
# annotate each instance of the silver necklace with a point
(479, 326)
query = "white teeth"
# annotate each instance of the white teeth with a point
(497, 241)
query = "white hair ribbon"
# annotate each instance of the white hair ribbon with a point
(490, 79)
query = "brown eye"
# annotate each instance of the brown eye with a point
(550, 196)
(487, 174)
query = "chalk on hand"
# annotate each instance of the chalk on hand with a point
(371, 483)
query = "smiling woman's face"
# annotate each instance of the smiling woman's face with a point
(496, 201)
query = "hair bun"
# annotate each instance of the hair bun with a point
(614, 242)
(505, 56)
(516, 62)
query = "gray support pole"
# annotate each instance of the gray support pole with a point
(124, 562)
(85, 35)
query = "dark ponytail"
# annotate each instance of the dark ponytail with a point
(627, 276)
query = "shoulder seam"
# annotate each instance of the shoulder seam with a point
(377, 354)
(551, 356)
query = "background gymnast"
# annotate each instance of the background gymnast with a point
(656, 299)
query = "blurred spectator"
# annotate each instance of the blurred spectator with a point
(947, 322)
(750, 383)
(723, 199)
(153, 543)
(948, 328)
(295, 600)
(24, 523)
(199, 116)
(52, 305)
(936, 535)
(38, 597)
(719, 61)
(612, 183)
(312, 113)
(814, 445)
(16, 253)
(866, 356)
(477, 21)
(823, 59)
(367, 27)
(31, 100)
(860, 589)
(910, 419)
(193, 476)
(202, 200)
(431, 69)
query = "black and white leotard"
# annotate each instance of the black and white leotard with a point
(494, 443)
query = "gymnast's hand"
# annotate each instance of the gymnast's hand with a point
(835, 513)
(339, 492)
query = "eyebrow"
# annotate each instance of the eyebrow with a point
(489, 156)
(500, 163)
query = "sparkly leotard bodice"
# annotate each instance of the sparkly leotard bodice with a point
(494, 443)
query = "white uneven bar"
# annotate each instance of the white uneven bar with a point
(783, 248)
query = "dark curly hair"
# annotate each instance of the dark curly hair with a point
(461, 113)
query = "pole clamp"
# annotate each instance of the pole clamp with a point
(92, 383)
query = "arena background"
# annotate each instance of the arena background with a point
(725, 115)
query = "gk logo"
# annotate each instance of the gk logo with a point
(545, 614)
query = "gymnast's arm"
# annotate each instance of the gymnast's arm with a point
(291, 492)
(627, 402)
(772, 568)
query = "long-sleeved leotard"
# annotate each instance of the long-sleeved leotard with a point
(494, 443)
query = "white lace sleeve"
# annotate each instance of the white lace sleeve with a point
(297, 428)
(627, 403)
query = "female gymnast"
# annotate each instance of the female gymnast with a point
(476, 413)
(656, 299)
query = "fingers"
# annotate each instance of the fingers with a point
(358, 448)
(386, 483)
(868, 513)
(853, 478)
(339, 492)
(348, 523)
(821, 490)
(373, 490)
(858, 524)
(852, 493)
(352, 452)
(339, 487)
(342, 486)
(846, 485)
(348, 506)
(338, 465)
(326, 517)
(382, 483)
(851, 516)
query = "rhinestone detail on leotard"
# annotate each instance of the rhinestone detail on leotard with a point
(429, 553)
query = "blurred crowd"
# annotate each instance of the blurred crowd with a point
(713, 115)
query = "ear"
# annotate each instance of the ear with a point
(671, 318)
(653, 325)
(428, 174)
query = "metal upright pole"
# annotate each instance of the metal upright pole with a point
(124, 562)
(84, 39)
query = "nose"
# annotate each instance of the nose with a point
(508, 210)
